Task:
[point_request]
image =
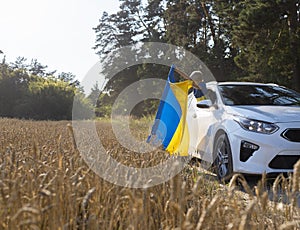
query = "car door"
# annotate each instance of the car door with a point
(203, 124)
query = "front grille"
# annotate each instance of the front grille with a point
(291, 135)
(284, 162)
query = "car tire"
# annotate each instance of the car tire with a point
(223, 158)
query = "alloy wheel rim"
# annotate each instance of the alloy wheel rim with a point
(222, 156)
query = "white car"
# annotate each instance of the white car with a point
(248, 128)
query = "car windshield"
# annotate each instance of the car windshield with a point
(258, 95)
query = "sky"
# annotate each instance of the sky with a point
(58, 33)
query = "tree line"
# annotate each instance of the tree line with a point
(246, 40)
(29, 91)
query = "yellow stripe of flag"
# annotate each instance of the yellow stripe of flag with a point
(179, 143)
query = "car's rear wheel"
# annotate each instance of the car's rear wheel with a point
(223, 158)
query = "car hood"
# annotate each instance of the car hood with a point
(272, 114)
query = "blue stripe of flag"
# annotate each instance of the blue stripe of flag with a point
(168, 115)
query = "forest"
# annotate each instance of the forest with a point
(247, 40)
(30, 91)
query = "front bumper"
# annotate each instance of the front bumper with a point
(274, 154)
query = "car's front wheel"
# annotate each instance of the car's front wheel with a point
(223, 157)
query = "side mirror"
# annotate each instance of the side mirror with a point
(204, 104)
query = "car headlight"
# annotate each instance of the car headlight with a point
(256, 126)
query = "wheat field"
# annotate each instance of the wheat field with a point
(45, 184)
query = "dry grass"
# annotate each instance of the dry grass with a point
(45, 184)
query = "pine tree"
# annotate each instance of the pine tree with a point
(267, 35)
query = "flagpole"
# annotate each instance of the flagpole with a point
(185, 76)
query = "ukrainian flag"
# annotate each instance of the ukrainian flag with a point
(170, 127)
